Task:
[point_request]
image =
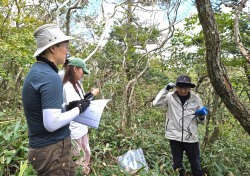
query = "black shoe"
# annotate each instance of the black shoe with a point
(182, 172)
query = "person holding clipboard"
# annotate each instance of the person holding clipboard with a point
(72, 93)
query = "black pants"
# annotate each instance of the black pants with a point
(193, 153)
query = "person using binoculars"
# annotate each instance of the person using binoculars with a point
(184, 112)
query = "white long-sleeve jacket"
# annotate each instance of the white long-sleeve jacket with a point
(181, 123)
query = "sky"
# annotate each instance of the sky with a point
(94, 8)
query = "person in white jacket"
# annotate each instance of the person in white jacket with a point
(182, 122)
(73, 92)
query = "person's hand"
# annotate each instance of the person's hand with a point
(170, 86)
(71, 105)
(92, 94)
(201, 113)
(83, 104)
(95, 91)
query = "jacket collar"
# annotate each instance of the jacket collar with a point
(51, 64)
(192, 97)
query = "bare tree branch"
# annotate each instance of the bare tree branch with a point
(102, 38)
(58, 11)
(237, 8)
(169, 35)
(77, 5)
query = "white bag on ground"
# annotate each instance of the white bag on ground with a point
(132, 161)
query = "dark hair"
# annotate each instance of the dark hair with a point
(69, 76)
(43, 53)
(66, 63)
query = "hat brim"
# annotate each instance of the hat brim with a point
(86, 71)
(184, 84)
(40, 50)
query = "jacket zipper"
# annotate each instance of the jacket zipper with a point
(182, 106)
(182, 130)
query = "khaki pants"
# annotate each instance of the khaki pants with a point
(53, 160)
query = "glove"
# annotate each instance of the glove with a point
(170, 86)
(201, 112)
(201, 117)
(83, 104)
(71, 105)
(89, 96)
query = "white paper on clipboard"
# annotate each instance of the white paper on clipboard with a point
(92, 115)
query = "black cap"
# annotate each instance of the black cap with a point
(184, 81)
(68, 56)
(66, 60)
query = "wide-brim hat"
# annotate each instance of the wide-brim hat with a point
(75, 61)
(184, 80)
(48, 35)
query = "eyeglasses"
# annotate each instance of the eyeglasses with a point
(63, 44)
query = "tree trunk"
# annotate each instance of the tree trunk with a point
(126, 112)
(247, 73)
(216, 71)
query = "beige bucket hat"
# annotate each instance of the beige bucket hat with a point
(48, 35)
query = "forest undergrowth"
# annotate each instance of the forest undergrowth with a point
(228, 155)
